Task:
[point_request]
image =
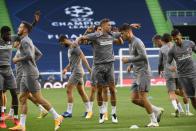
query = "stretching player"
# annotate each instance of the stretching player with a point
(182, 53)
(172, 81)
(29, 81)
(93, 81)
(142, 74)
(75, 56)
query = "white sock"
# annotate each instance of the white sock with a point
(87, 106)
(22, 120)
(174, 103)
(187, 107)
(69, 107)
(155, 109)
(1, 118)
(15, 116)
(113, 110)
(41, 107)
(180, 107)
(54, 113)
(105, 106)
(152, 117)
(2, 109)
(11, 113)
(101, 109)
(91, 106)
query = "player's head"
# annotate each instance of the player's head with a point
(64, 41)
(6, 33)
(105, 25)
(24, 28)
(157, 40)
(126, 31)
(17, 42)
(97, 28)
(166, 38)
(176, 36)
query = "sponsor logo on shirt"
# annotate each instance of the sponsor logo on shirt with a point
(184, 57)
(110, 42)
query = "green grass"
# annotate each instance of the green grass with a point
(128, 114)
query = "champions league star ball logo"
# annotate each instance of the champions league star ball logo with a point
(78, 11)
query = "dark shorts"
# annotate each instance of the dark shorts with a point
(173, 84)
(189, 84)
(7, 79)
(30, 84)
(104, 74)
(76, 79)
(141, 83)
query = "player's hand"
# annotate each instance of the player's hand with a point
(64, 71)
(172, 69)
(90, 70)
(15, 60)
(90, 29)
(129, 69)
(37, 14)
(115, 29)
(160, 75)
(137, 26)
(125, 60)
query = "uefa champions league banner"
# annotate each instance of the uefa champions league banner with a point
(73, 17)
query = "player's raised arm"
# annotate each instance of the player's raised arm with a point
(36, 19)
(118, 40)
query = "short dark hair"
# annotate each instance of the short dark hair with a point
(175, 32)
(103, 21)
(62, 38)
(166, 38)
(17, 39)
(125, 27)
(156, 37)
(5, 29)
(27, 25)
(96, 27)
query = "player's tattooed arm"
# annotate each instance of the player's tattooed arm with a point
(75, 44)
(85, 62)
(89, 30)
(66, 69)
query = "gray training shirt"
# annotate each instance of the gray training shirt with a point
(184, 59)
(103, 46)
(6, 51)
(163, 56)
(27, 52)
(18, 65)
(138, 57)
(75, 60)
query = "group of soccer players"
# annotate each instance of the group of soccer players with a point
(175, 60)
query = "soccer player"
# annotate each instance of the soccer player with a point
(172, 81)
(142, 74)
(182, 53)
(75, 55)
(103, 63)
(157, 40)
(7, 80)
(29, 81)
(93, 81)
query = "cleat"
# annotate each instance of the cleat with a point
(16, 121)
(177, 113)
(89, 115)
(66, 114)
(17, 128)
(2, 124)
(8, 117)
(159, 114)
(114, 118)
(43, 114)
(85, 114)
(58, 123)
(101, 118)
(189, 114)
(153, 124)
(106, 116)
(174, 114)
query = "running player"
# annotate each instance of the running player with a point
(29, 81)
(182, 53)
(172, 81)
(75, 56)
(142, 74)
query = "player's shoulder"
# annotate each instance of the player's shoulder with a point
(188, 42)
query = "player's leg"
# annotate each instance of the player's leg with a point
(92, 97)
(4, 102)
(43, 111)
(105, 101)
